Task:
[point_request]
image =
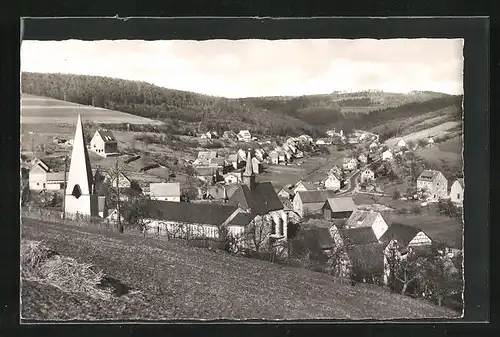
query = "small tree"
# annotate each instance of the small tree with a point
(135, 212)
(396, 195)
(257, 233)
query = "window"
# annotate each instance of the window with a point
(77, 192)
(458, 195)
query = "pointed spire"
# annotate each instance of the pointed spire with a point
(249, 167)
(80, 172)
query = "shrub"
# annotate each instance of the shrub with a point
(416, 210)
(396, 195)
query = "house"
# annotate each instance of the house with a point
(362, 158)
(209, 174)
(42, 178)
(299, 154)
(256, 165)
(104, 143)
(244, 135)
(286, 192)
(274, 157)
(204, 157)
(282, 159)
(362, 137)
(304, 186)
(373, 146)
(220, 192)
(305, 139)
(371, 219)
(165, 191)
(183, 219)
(338, 208)
(222, 164)
(232, 178)
(234, 160)
(457, 191)
(123, 180)
(433, 184)
(332, 183)
(209, 135)
(352, 140)
(405, 236)
(310, 202)
(260, 154)
(387, 155)
(331, 133)
(401, 143)
(367, 175)
(336, 170)
(229, 135)
(349, 164)
(288, 156)
(323, 141)
(242, 155)
(430, 141)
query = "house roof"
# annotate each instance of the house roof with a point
(343, 204)
(461, 182)
(360, 218)
(241, 219)
(205, 171)
(218, 161)
(107, 136)
(308, 185)
(366, 260)
(207, 155)
(358, 236)
(42, 164)
(311, 197)
(55, 176)
(428, 175)
(230, 189)
(185, 212)
(262, 199)
(347, 160)
(165, 189)
(402, 233)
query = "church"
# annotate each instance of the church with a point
(80, 199)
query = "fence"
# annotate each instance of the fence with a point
(57, 216)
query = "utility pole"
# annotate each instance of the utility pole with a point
(117, 178)
(64, 187)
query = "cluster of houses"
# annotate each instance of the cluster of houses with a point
(242, 136)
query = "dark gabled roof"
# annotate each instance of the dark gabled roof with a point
(241, 219)
(55, 176)
(428, 175)
(262, 199)
(361, 218)
(342, 204)
(107, 136)
(461, 182)
(402, 233)
(320, 235)
(366, 260)
(205, 171)
(312, 197)
(358, 236)
(165, 189)
(207, 214)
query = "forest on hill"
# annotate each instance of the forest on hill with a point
(190, 113)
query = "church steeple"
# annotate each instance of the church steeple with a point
(79, 197)
(249, 175)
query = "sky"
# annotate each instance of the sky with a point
(250, 68)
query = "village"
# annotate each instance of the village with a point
(244, 200)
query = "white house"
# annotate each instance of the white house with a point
(367, 175)
(434, 184)
(274, 156)
(104, 143)
(42, 178)
(349, 164)
(373, 146)
(363, 158)
(306, 138)
(310, 202)
(387, 155)
(304, 186)
(401, 143)
(232, 178)
(244, 135)
(123, 180)
(360, 218)
(457, 191)
(332, 183)
(165, 191)
(256, 165)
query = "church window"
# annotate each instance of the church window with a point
(77, 191)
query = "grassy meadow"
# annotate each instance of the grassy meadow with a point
(170, 281)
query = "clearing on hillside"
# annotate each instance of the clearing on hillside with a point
(180, 282)
(439, 130)
(43, 110)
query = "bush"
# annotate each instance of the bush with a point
(416, 210)
(396, 195)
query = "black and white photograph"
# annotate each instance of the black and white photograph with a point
(252, 179)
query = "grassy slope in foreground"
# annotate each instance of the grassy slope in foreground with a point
(178, 282)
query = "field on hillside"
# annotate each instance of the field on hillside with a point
(178, 282)
(280, 175)
(439, 130)
(41, 110)
(447, 153)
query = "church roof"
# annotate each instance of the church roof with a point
(262, 199)
(107, 136)
(80, 172)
